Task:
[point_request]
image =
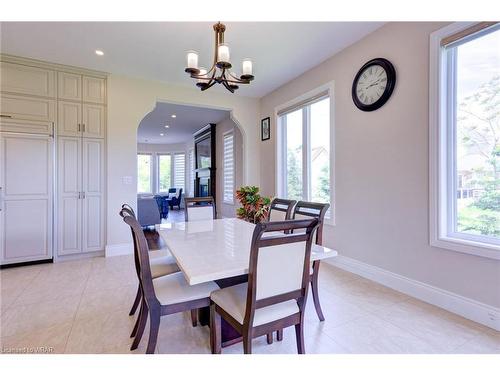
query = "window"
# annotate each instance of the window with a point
(179, 171)
(191, 172)
(305, 150)
(465, 138)
(228, 183)
(164, 173)
(144, 167)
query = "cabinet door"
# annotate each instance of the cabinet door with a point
(93, 188)
(69, 86)
(69, 202)
(94, 120)
(26, 208)
(94, 90)
(69, 118)
(27, 108)
(22, 79)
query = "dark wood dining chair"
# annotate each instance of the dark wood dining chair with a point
(163, 295)
(308, 210)
(281, 209)
(162, 263)
(199, 208)
(267, 303)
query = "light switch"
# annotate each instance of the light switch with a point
(127, 180)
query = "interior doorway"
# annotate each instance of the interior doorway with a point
(166, 161)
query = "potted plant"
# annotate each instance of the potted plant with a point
(255, 208)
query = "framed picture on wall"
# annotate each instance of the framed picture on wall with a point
(265, 129)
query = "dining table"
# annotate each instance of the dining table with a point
(217, 250)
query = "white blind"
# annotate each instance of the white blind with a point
(191, 172)
(228, 168)
(179, 170)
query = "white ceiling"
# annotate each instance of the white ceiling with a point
(156, 50)
(188, 120)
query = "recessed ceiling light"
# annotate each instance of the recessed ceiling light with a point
(98, 52)
(162, 134)
(174, 116)
(167, 126)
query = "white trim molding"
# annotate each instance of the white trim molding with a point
(119, 249)
(439, 176)
(468, 308)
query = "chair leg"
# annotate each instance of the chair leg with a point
(154, 327)
(143, 317)
(270, 338)
(136, 325)
(247, 343)
(279, 335)
(215, 330)
(299, 333)
(315, 292)
(194, 317)
(136, 301)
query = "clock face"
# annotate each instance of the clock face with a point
(371, 84)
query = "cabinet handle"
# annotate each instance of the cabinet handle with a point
(83, 128)
(78, 127)
(6, 116)
(83, 195)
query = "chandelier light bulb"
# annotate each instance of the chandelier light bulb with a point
(192, 59)
(247, 67)
(223, 53)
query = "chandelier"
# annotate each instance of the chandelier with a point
(221, 71)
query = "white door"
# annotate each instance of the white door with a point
(69, 196)
(93, 198)
(26, 201)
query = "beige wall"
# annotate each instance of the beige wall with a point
(225, 209)
(129, 100)
(381, 173)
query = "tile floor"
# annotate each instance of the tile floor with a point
(82, 307)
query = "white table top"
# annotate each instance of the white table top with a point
(215, 249)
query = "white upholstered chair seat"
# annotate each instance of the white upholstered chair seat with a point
(233, 300)
(174, 288)
(162, 265)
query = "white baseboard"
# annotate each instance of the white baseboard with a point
(463, 306)
(119, 249)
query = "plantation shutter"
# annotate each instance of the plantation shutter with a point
(191, 172)
(228, 168)
(179, 170)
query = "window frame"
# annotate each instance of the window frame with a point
(224, 135)
(442, 153)
(151, 174)
(157, 160)
(280, 178)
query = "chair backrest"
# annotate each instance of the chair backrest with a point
(128, 207)
(289, 255)
(180, 194)
(309, 210)
(141, 257)
(199, 208)
(281, 209)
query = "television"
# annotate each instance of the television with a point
(203, 153)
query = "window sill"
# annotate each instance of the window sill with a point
(467, 247)
(228, 203)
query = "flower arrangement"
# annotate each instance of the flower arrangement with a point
(255, 207)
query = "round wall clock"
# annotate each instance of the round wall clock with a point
(373, 85)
